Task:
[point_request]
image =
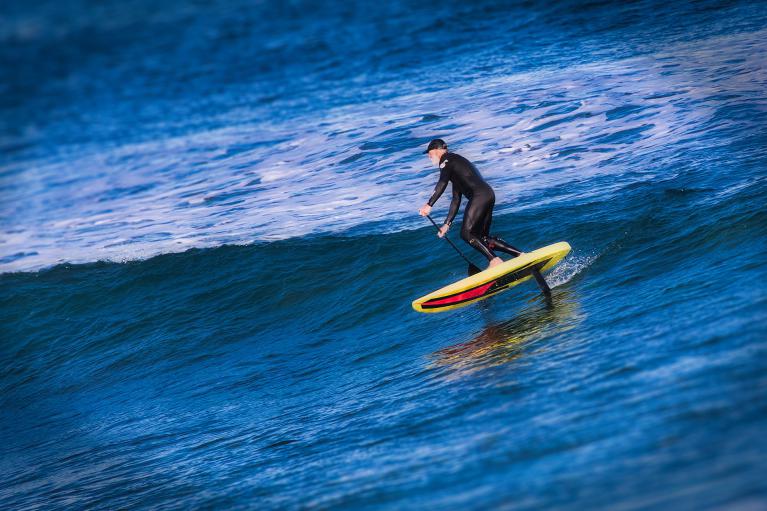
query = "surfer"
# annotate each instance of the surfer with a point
(478, 215)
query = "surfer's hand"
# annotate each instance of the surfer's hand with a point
(425, 210)
(443, 230)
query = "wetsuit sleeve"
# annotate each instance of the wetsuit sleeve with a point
(454, 205)
(444, 178)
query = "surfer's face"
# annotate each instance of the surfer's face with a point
(435, 155)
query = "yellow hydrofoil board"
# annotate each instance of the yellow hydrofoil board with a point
(493, 280)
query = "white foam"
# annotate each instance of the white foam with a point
(189, 191)
(565, 271)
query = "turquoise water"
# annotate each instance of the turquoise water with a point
(209, 245)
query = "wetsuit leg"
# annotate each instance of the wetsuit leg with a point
(495, 243)
(492, 242)
(488, 218)
(474, 218)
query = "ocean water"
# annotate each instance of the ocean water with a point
(209, 244)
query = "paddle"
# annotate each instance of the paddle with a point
(472, 269)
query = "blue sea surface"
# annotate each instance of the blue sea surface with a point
(209, 243)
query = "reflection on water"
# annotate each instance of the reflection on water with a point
(501, 342)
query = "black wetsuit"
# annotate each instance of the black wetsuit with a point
(466, 180)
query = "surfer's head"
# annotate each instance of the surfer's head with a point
(436, 149)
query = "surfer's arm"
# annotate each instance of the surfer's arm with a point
(454, 205)
(444, 178)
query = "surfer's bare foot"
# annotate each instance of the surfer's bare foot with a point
(495, 262)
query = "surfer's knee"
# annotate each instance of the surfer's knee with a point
(477, 244)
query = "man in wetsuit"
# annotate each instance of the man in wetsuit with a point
(478, 215)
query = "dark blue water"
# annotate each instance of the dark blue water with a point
(209, 245)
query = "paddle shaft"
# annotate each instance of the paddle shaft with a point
(472, 267)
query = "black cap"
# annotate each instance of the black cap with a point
(437, 143)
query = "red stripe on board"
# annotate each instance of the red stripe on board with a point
(466, 295)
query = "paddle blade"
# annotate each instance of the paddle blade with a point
(473, 270)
